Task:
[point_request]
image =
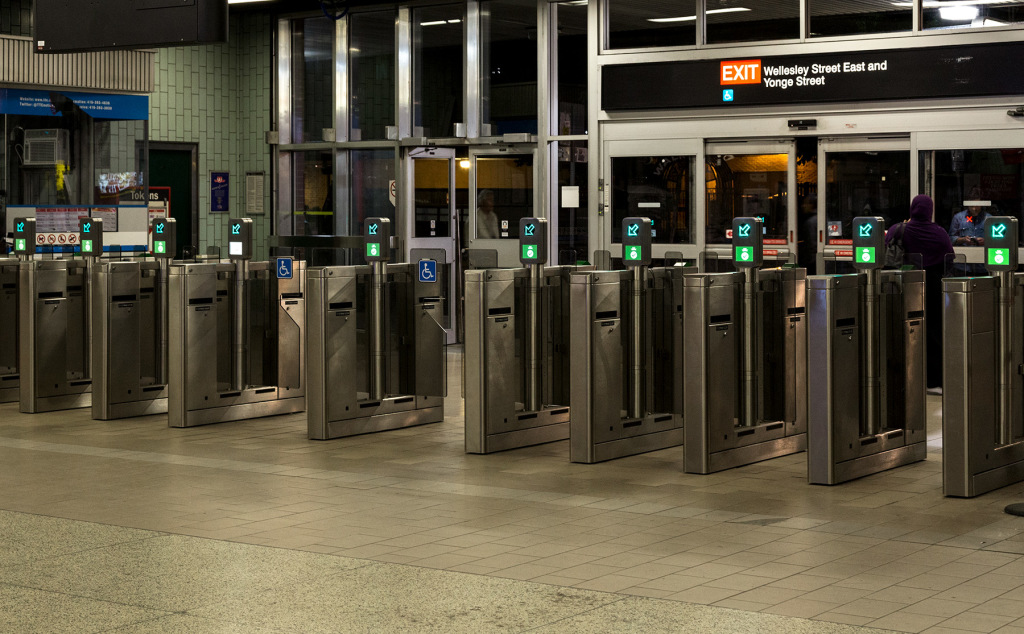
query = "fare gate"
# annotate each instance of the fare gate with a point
(621, 325)
(9, 377)
(517, 352)
(983, 389)
(236, 337)
(745, 360)
(376, 345)
(866, 365)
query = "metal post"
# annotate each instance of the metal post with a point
(1006, 344)
(636, 402)
(533, 394)
(87, 286)
(749, 348)
(163, 299)
(871, 371)
(377, 351)
(238, 326)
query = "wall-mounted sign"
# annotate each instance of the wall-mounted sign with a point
(918, 73)
(220, 191)
(45, 103)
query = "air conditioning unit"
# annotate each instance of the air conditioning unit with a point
(46, 147)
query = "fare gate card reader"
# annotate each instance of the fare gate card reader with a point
(378, 239)
(240, 239)
(164, 232)
(533, 240)
(747, 243)
(1001, 243)
(868, 242)
(24, 236)
(90, 236)
(636, 241)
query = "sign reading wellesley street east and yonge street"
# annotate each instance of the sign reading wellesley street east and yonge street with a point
(919, 73)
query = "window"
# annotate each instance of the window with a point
(634, 24)
(658, 187)
(572, 69)
(509, 82)
(438, 69)
(830, 18)
(372, 58)
(749, 20)
(312, 79)
(960, 15)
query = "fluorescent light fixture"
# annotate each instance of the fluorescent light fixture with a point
(575, 3)
(433, 23)
(244, 1)
(958, 13)
(454, 21)
(691, 18)
(935, 4)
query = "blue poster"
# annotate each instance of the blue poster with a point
(54, 103)
(219, 191)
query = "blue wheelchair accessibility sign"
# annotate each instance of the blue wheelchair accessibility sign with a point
(284, 268)
(428, 270)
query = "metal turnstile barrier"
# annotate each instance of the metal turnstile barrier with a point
(745, 366)
(376, 350)
(53, 329)
(236, 342)
(624, 336)
(499, 415)
(9, 377)
(864, 421)
(981, 449)
(129, 362)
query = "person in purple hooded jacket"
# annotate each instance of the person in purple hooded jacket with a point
(922, 236)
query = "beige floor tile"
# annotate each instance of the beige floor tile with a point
(903, 621)
(705, 595)
(973, 621)
(937, 607)
(801, 608)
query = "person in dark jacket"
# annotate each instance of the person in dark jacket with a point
(922, 236)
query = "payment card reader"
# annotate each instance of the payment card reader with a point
(90, 236)
(24, 236)
(378, 239)
(164, 234)
(747, 243)
(533, 240)
(636, 241)
(240, 239)
(868, 243)
(1001, 243)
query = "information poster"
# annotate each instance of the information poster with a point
(254, 193)
(219, 192)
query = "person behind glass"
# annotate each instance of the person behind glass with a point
(968, 226)
(486, 219)
(922, 236)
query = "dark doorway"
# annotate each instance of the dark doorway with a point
(174, 165)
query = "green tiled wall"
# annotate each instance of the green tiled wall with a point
(220, 96)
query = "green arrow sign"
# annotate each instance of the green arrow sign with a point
(87, 227)
(373, 229)
(865, 231)
(21, 226)
(236, 229)
(528, 230)
(744, 231)
(998, 231)
(632, 231)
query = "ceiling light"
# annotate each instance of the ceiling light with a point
(935, 4)
(691, 18)
(575, 3)
(433, 23)
(958, 13)
(244, 1)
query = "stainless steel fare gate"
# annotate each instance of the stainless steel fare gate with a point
(236, 342)
(376, 350)
(745, 364)
(130, 339)
(982, 412)
(625, 363)
(517, 357)
(54, 335)
(9, 377)
(866, 373)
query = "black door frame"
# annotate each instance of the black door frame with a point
(193, 148)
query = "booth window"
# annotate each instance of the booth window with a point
(372, 58)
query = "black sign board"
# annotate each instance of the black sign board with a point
(90, 236)
(917, 73)
(165, 234)
(24, 236)
(868, 242)
(1001, 243)
(240, 238)
(533, 240)
(636, 241)
(747, 243)
(377, 236)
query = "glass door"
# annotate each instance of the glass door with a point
(656, 180)
(754, 179)
(434, 224)
(861, 177)
(501, 192)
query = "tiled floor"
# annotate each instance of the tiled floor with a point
(377, 512)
